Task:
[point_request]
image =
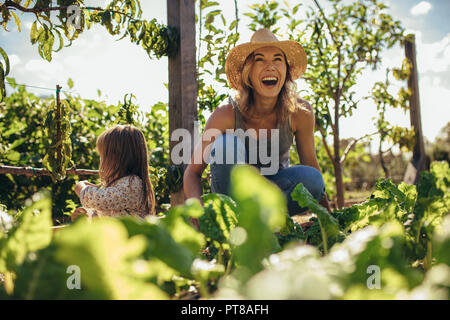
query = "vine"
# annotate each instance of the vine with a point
(4, 70)
(129, 111)
(58, 145)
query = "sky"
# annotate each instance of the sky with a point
(96, 61)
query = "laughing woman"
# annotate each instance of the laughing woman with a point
(266, 113)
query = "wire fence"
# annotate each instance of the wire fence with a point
(42, 88)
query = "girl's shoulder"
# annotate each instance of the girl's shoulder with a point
(132, 179)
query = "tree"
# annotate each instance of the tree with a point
(119, 16)
(342, 44)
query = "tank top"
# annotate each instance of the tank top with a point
(285, 138)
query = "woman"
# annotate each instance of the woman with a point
(270, 113)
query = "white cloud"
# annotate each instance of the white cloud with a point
(421, 8)
(42, 70)
(435, 112)
(13, 60)
(433, 56)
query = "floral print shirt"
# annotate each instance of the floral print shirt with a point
(123, 197)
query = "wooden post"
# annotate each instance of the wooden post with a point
(58, 124)
(182, 75)
(418, 161)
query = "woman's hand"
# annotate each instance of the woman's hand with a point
(78, 212)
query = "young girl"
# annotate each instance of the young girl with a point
(126, 187)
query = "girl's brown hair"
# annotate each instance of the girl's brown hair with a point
(123, 152)
(287, 98)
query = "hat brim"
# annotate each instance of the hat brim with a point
(295, 56)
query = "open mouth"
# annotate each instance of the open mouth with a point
(270, 81)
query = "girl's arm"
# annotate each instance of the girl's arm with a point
(78, 212)
(80, 185)
(303, 122)
(125, 194)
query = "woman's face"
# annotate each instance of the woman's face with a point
(268, 72)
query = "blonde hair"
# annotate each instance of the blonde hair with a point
(123, 152)
(287, 98)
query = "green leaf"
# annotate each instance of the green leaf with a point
(31, 233)
(61, 41)
(261, 209)
(233, 25)
(219, 217)
(70, 83)
(16, 19)
(42, 277)
(441, 242)
(2, 84)
(383, 247)
(5, 57)
(160, 244)
(270, 200)
(328, 225)
(109, 261)
(177, 224)
(17, 143)
(34, 34)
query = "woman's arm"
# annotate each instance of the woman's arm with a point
(220, 120)
(303, 122)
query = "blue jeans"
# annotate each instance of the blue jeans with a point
(286, 179)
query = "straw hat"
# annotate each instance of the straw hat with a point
(295, 55)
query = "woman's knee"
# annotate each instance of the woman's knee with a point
(312, 180)
(316, 184)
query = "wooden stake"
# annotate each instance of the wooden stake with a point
(58, 124)
(418, 161)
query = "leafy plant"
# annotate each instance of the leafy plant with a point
(161, 257)
(58, 145)
(329, 227)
